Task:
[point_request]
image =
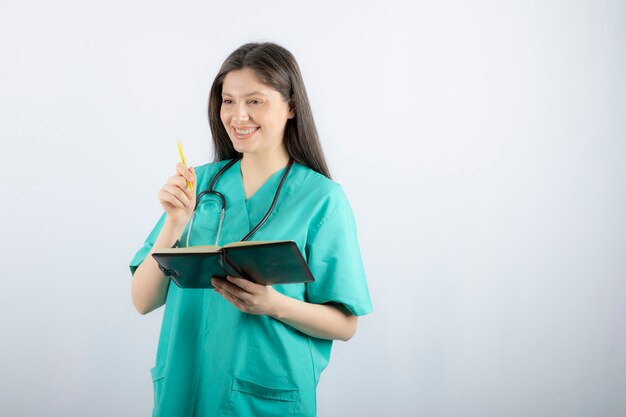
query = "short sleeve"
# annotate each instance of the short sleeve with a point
(202, 173)
(147, 246)
(334, 258)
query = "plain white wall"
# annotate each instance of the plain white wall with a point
(482, 145)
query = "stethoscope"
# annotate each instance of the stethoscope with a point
(211, 190)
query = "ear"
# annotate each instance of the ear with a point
(292, 110)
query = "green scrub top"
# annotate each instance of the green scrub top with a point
(214, 360)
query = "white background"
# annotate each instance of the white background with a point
(481, 143)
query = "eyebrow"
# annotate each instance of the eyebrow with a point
(254, 93)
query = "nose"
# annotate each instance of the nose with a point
(240, 113)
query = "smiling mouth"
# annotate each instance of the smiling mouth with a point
(245, 133)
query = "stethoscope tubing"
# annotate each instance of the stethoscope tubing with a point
(271, 209)
(211, 190)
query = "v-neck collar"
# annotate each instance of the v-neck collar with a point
(243, 214)
(271, 183)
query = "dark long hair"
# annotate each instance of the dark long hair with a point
(277, 68)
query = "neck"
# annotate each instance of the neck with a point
(265, 164)
(257, 168)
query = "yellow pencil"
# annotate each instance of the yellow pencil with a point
(182, 158)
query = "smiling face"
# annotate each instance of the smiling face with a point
(253, 114)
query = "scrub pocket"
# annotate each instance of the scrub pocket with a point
(158, 378)
(249, 398)
(205, 223)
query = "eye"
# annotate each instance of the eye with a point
(227, 101)
(253, 101)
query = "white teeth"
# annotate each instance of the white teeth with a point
(245, 132)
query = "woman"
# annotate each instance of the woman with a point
(245, 349)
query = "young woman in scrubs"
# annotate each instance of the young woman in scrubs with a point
(245, 349)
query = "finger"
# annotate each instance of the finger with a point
(182, 183)
(178, 193)
(230, 297)
(166, 197)
(177, 180)
(232, 289)
(244, 284)
(235, 303)
(182, 169)
(217, 282)
(193, 176)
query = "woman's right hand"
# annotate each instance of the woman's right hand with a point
(149, 284)
(177, 199)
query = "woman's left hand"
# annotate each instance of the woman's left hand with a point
(247, 296)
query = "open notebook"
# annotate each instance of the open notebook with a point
(263, 262)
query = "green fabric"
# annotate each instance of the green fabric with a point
(214, 360)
